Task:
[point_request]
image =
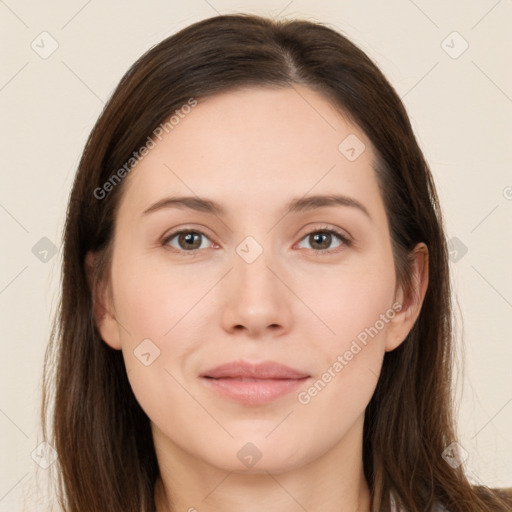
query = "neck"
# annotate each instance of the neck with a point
(333, 482)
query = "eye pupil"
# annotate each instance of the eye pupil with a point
(186, 239)
(325, 236)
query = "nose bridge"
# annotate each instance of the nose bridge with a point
(252, 270)
(255, 282)
(257, 299)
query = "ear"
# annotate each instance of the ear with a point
(104, 315)
(409, 303)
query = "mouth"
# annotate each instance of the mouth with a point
(253, 384)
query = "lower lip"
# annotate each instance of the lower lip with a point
(254, 392)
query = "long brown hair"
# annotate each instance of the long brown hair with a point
(102, 436)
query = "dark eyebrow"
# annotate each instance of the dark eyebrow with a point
(312, 202)
(190, 202)
(294, 206)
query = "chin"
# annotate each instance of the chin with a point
(257, 455)
(273, 466)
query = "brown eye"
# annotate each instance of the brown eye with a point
(321, 240)
(186, 240)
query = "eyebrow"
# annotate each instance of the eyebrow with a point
(294, 206)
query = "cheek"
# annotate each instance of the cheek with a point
(349, 361)
(355, 306)
(153, 300)
(349, 299)
(161, 317)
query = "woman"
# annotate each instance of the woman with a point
(256, 306)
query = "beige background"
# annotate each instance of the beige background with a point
(460, 107)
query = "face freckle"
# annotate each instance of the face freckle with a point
(256, 290)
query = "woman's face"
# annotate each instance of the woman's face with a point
(259, 274)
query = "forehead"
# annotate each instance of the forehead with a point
(251, 144)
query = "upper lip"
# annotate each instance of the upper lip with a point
(265, 370)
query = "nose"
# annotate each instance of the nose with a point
(256, 299)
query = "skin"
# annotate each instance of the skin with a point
(252, 151)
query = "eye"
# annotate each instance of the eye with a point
(321, 239)
(191, 240)
(188, 240)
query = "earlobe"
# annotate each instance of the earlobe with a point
(104, 315)
(410, 301)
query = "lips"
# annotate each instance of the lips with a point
(268, 370)
(253, 384)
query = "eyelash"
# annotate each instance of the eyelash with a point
(347, 242)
